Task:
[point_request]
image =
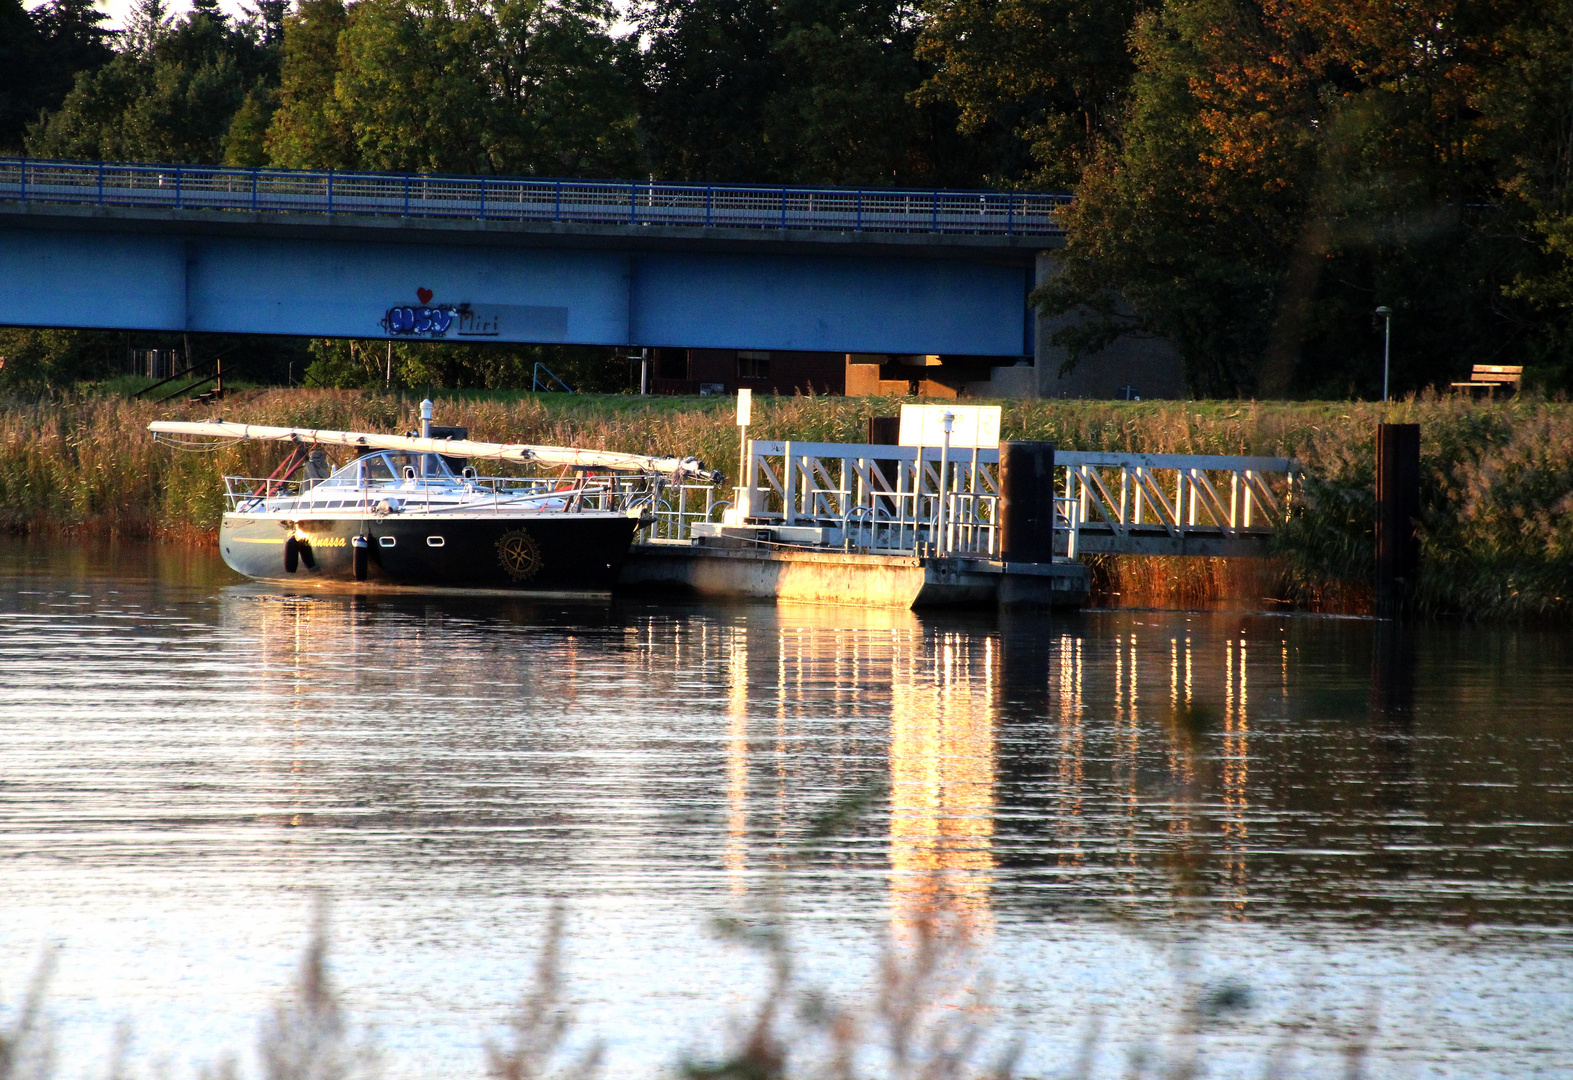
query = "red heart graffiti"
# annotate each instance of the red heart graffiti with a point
(424, 295)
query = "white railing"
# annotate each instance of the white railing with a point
(935, 500)
(876, 498)
(619, 494)
(1157, 503)
(678, 508)
(500, 198)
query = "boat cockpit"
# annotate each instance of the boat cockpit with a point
(398, 469)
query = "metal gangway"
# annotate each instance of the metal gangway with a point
(940, 501)
(1177, 504)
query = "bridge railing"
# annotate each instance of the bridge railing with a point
(490, 198)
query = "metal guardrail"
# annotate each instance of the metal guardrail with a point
(877, 498)
(491, 198)
(1170, 504)
(618, 494)
(911, 499)
(678, 508)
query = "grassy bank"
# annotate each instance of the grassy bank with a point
(1497, 530)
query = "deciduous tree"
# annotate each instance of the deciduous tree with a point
(173, 102)
(1042, 81)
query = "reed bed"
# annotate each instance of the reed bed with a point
(1496, 530)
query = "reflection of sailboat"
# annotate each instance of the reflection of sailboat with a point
(942, 785)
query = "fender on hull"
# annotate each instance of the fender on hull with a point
(540, 553)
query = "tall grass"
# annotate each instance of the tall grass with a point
(1497, 523)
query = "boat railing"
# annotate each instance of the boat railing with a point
(244, 494)
(595, 492)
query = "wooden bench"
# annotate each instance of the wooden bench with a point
(1491, 377)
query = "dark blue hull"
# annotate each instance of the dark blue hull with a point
(550, 552)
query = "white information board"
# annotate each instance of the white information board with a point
(745, 407)
(972, 425)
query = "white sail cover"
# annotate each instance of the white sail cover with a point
(468, 448)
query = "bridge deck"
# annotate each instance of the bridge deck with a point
(489, 198)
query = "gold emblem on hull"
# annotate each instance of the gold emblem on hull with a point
(519, 554)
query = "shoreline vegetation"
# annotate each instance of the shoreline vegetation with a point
(1497, 477)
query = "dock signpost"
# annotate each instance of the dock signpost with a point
(744, 507)
(965, 427)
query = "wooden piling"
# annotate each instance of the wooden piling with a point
(1397, 513)
(1026, 504)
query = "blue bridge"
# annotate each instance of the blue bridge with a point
(200, 248)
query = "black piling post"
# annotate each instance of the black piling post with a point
(1026, 504)
(1397, 513)
(884, 430)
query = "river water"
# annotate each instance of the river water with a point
(1335, 835)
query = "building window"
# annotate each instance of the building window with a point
(752, 364)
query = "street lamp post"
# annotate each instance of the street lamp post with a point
(1387, 344)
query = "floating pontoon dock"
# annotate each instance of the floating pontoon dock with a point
(931, 522)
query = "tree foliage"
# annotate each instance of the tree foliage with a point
(171, 96)
(348, 365)
(1282, 169)
(41, 52)
(1041, 81)
(793, 91)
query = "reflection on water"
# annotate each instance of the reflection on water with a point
(1339, 806)
(942, 778)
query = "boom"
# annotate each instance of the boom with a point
(523, 453)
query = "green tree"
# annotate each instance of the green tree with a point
(793, 91)
(305, 132)
(1280, 171)
(1043, 81)
(41, 52)
(245, 141)
(517, 87)
(564, 91)
(412, 87)
(39, 361)
(170, 98)
(1526, 113)
(347, 364)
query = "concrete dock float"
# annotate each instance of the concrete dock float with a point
(738, 569)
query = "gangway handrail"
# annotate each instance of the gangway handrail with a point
(266, 191)
(892, 498)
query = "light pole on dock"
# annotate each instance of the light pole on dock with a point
(1387, 344)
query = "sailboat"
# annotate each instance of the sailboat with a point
(414, 509)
